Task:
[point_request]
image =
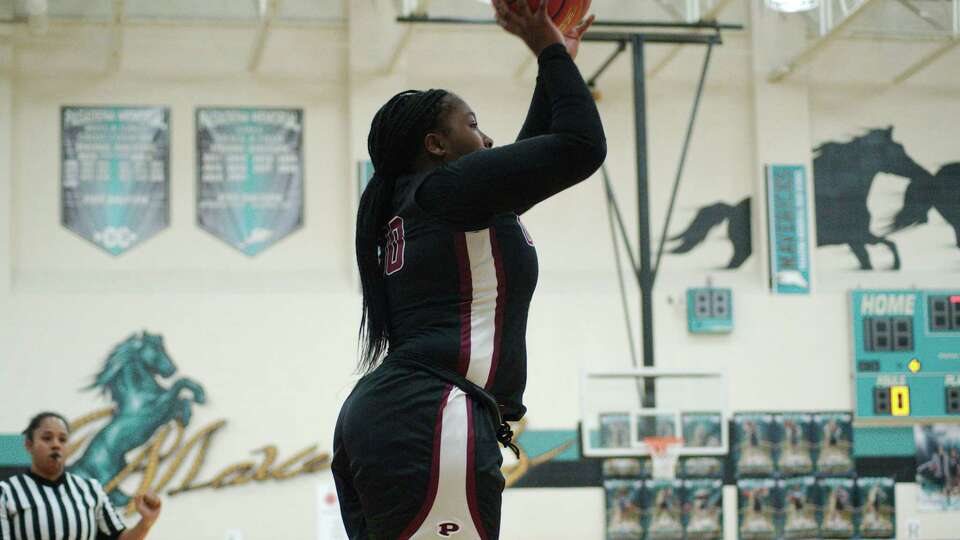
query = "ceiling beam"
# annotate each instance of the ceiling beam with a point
(814, 47)
(268, 12)
(419, 9)
(115, 48)
(922, 15)
(708, 16)
(930, 58)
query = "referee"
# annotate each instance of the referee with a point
(48, 503)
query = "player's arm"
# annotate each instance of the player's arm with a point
(519, 175)
(537, 121)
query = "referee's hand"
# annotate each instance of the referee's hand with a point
(148, 505)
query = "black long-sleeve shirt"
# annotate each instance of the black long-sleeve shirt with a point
(461, 268)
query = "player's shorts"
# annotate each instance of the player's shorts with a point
(415, 457)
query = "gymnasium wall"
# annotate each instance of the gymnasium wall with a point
(272, 339)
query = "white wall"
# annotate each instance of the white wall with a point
(273, 338)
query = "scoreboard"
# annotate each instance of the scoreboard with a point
(906, 355)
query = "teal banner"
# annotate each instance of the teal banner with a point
(364, 174)
(250, 175)
(787, 229)
(114, 174)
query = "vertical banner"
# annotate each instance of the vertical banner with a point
(249, 175)
(115, 174)
(787, 229)
(364, 174)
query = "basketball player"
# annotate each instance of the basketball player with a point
(48, 503)
(447, 272)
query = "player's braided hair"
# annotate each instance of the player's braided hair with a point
(395, 140)
(36, 420)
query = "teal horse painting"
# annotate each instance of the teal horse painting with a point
(130, 379)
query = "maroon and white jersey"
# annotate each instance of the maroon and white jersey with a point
(458, 298)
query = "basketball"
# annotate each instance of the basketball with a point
(565, 13)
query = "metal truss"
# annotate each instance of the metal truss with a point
(835, 17)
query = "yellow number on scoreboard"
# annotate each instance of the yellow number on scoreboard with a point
(900, 400)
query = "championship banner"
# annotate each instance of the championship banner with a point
(787, 229)
(114, 174)
(250, 175)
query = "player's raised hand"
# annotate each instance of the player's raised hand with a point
(574, 34)
(534, 27)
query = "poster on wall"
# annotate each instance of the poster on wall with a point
(836, 507)
(115, 174)
(249, 175)
(753, 444)
(877, 508)
(938, 466)
(795, 436)
(798, 501)
(787, 229)
(833, 443)
(756, 509)
(624, 509)
(663, 509)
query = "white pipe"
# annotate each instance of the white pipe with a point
(415, 7)
(956, 18)
(263, 29)
(115, 51)
(825, 16)
(37, 19)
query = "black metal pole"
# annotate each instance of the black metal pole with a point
(621, 46)
(643, 216)
(615, 211)
(683, 160)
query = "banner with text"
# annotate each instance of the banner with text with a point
(787, 229)
(250, 175)
(114, 174)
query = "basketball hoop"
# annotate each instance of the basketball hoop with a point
(663, 456)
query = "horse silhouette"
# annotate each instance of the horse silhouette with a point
(942, 192)
(142, 406)
(708, 217)
(843, 174)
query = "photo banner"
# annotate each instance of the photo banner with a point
(249, 175)
(787, 229)
(937, 459)
(115, 174)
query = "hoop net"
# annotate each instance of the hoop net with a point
(663, 456)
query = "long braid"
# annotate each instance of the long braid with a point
(395, 139)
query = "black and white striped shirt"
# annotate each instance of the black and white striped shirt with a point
(71, 508)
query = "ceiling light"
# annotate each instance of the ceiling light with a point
(792, 6)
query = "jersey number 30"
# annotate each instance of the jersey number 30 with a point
(394, 253)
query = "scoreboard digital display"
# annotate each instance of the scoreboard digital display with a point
(906, 355)
(944, 313)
